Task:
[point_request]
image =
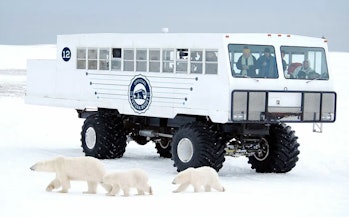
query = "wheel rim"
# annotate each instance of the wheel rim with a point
(185, 150)
(90, 138)
(263, 153)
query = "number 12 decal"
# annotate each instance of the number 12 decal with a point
(66, 54)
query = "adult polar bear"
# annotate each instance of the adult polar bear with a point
(73, 168)
(197, 177)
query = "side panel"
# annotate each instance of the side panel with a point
(160, 95)
(41, 78)
(139, 93)
(47, 86)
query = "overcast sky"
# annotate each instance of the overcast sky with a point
(39, 21)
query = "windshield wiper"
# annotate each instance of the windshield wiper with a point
(245, 76)
(318, 78)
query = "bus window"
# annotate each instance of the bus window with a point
(305, 63)
(211, 63)
(141, 60)
(128, 60)
(154, 60)
(168, 60)
(81, 58)
(255, 61)
(182, 61)
(196, 59)
(92, 58)
(103, 59)
(116, 59)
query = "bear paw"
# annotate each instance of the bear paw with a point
(49, 188)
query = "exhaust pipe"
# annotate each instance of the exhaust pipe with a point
(152, 133)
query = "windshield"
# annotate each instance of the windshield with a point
(304, 63)
(258, 61)
(253, 61)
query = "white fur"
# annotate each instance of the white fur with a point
(87, 169)
(134, 178)
(204, 176)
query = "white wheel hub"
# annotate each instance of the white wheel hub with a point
(90, 138)
(185, 150)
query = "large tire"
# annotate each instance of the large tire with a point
(282, 153)
(103, 137)
(163, 147)
(219, 148)
(194, 145)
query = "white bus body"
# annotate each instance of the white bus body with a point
(183, 78)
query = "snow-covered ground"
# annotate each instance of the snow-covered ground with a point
(317, 186)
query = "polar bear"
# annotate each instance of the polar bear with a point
(134, 178)
(73, 168)
(203, 176)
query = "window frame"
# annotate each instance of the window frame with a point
(92, 59)
(140, 62)
(106, 60)
(128, 62)
(211, 62)
(304, 50)
(199, 64)
(170, 61)
(182, 60)
(116, 61)
(152, 62)
(257, 51)
(79, 59)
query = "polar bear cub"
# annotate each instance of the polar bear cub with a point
(124, 180)
(203, 176)
(87, 169)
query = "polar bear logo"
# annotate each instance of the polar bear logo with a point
(124, 180)
(203, 176)
(87, 169)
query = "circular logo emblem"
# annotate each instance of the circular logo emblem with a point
(140, 94)
(66, 54)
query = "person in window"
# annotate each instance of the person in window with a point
(267, 65)
(284, 64)
(246, 63)
(307, 72)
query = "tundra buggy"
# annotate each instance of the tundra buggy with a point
(198, 97)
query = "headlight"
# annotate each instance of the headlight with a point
(327, 116)
(239, 116)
